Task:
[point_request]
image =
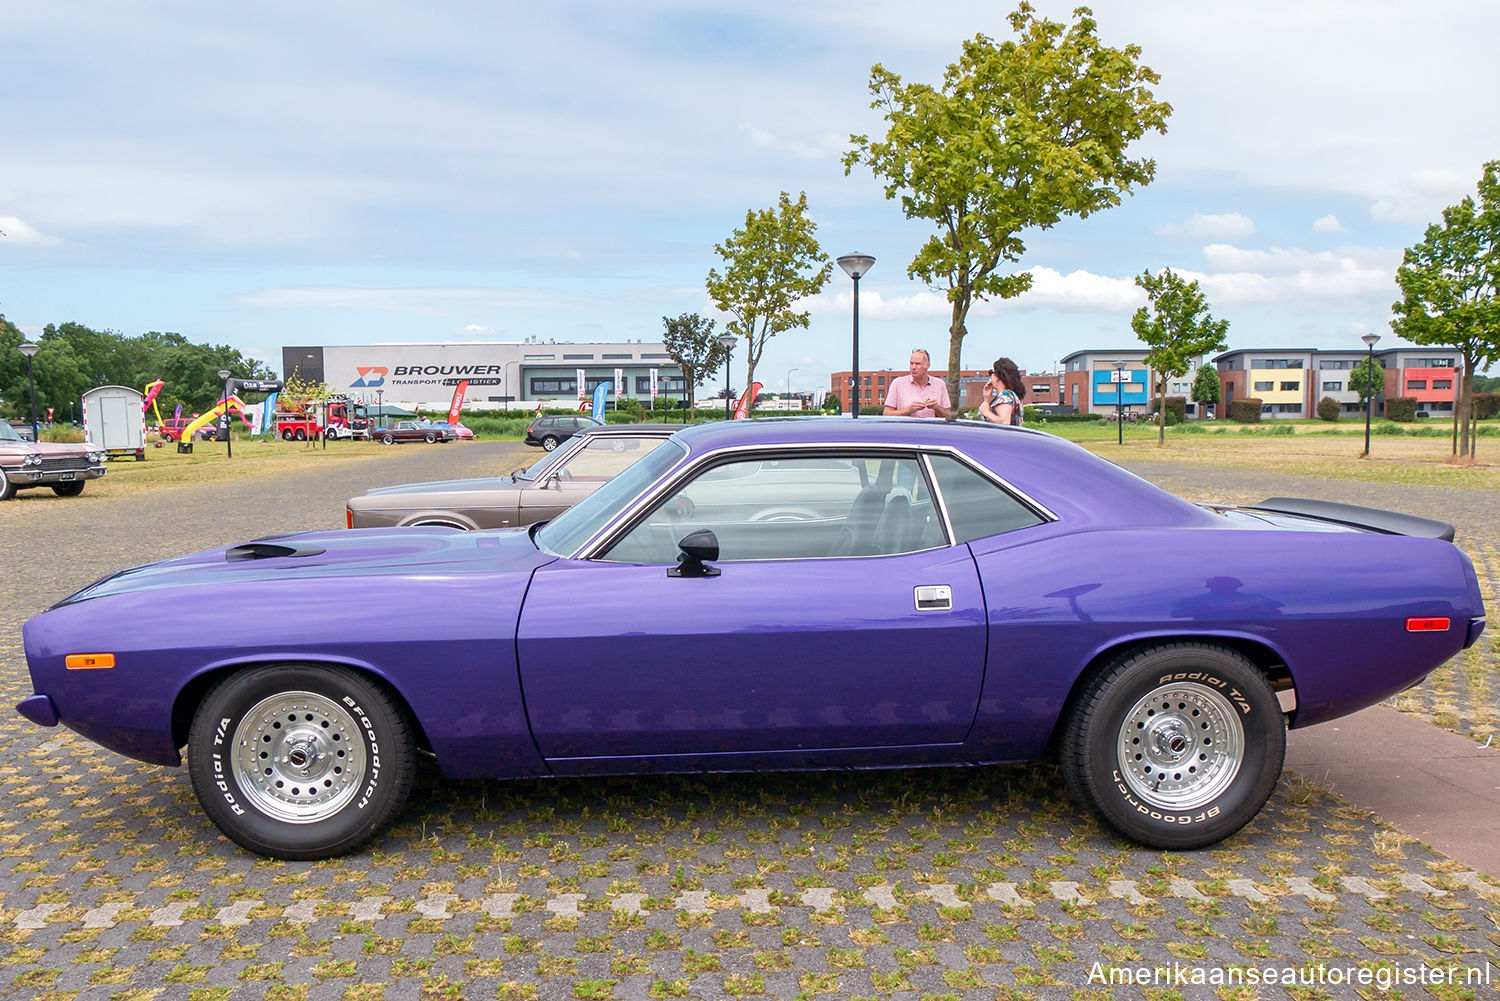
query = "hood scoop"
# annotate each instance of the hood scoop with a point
(265, 550)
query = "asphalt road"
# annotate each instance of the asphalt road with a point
(930, 883)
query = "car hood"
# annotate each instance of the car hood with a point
(340, 556)
(450, 486)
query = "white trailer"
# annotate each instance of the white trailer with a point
(115, 420)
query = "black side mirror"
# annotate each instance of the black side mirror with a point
(698, 548)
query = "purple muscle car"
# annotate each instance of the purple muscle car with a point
(800, 594)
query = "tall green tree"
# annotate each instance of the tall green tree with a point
(769, 265)
(1021, 134)
(1206, 389)
(691, 342)
(1448, 290)
(1176, 324)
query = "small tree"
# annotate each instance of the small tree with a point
(1021, 134)
(306, 397)
(1367, 379)
(1449, 284)
(770, 265)
(1206, 389)
(1178, 327)
(691, 343)
(1328, 409)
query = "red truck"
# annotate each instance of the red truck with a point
(304, 424)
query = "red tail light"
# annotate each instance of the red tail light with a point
(1429, 624)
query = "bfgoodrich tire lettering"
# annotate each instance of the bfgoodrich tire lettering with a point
(1176, 746)
(298, 761)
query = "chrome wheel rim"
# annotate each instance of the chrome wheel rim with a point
(299, 757)
(1181, 746)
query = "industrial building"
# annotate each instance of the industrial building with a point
(501, 375)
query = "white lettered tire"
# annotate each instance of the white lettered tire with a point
(298, 761)
(1176, 746)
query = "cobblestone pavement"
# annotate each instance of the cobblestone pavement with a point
(925, 883)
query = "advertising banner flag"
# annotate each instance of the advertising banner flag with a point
(619, 384)
(601, 393)
(742, 409)
(582, 386)
(458, 401)
(267, 412)
(655, 392)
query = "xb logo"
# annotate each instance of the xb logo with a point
(370, 377)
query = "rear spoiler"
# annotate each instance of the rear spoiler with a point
(1373, 519)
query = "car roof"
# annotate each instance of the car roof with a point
(1067, 479)
(606, 430)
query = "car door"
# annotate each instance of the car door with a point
(829, 626)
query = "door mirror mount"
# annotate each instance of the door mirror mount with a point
(698, 548)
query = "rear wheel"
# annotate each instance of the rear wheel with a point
(72, 489)
(301, 435)
(300, 762)
(387, 439)
(549, 443)
(288, 435)
(1177, 746)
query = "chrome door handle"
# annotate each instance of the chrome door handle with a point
(933, 597)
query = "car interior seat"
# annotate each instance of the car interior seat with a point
(895, 531)
(857, 536)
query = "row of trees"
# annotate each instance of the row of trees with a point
(74, 358)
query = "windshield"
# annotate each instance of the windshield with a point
(570, 530)
(8, 433)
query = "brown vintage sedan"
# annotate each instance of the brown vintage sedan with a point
(551, 485)
(64, 467)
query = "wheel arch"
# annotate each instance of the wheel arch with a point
(191, 695)
(1264, 657)
(443, 519)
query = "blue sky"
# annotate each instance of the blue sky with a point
(348, 173)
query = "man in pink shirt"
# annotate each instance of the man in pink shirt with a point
(918, 394)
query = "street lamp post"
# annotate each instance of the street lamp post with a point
(1370, 340)
(727, 342)
(380, 406)
(789, 383)
(29, 350)
(1119, 402)
(856, 266)
(228, 438)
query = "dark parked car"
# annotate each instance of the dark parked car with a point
(812, 593)
(553, 429)
(404, 431)
(63, 466)
(547, 488)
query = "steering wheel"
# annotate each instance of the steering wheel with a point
(681, 507)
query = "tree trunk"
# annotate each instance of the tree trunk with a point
(1466, 396)
(956, 332)
(1161, 412)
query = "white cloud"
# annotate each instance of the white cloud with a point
(826, 147)
(1220, 226)
(1328, 224)
(18, 231)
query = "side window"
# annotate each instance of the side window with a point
(806, 507)
(977, 507)
(603, 458)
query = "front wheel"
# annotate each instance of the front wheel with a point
(429, 437)
(1176, 746)
(7, 488)
(295, 761)
(72, 489)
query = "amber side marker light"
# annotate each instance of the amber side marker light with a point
(1434, 624)
(89, 661)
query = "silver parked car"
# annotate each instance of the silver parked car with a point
(551, 485)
